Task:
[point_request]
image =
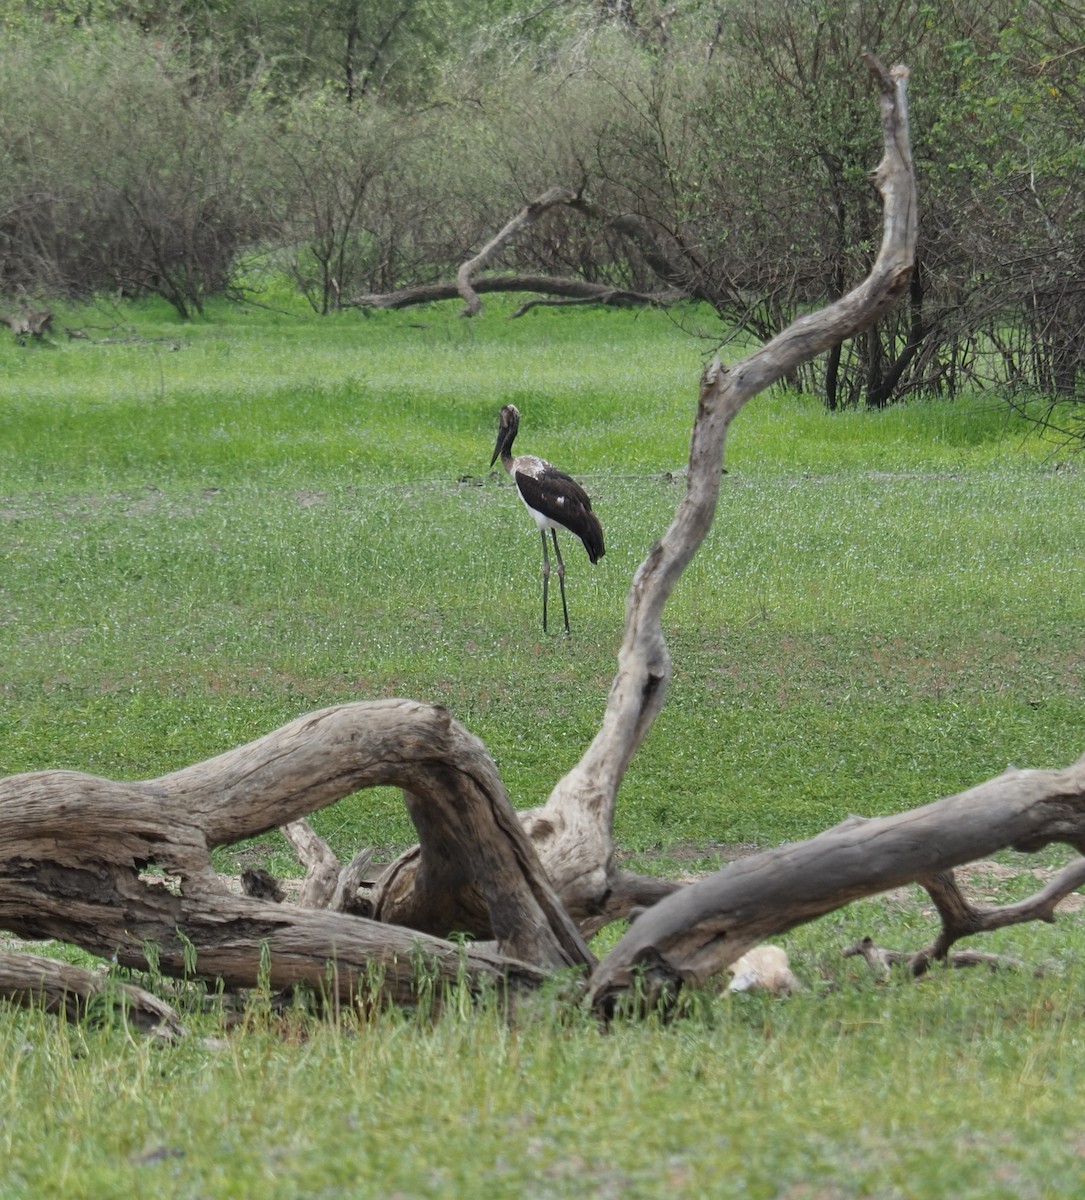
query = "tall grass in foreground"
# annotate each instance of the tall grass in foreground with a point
(965, 1085)
(208, 529)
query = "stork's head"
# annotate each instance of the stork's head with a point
(507, 425)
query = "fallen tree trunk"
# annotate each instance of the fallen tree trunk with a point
(696, 933)
(57, 987)
(577, 291)
(76, 848)
(680, 278)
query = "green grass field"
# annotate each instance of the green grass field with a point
(209, 529)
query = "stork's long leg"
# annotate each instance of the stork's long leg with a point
(561, 576)
(546, 575)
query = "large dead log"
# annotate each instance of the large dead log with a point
(76, 851)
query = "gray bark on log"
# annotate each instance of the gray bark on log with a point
(30, 980)
(699, 931)
(76, 845)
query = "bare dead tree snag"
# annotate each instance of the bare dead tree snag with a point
(573, 830)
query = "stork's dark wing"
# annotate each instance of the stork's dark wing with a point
(560, 498)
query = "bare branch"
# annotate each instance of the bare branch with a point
(960, 918)
(881, 960)
(702, 929)
(321, 865)
(528, 215)
(573, 830)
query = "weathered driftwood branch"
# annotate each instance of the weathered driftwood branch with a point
(322, 868)
(30, 980)
(699, 931)
(880, 960)
(960, 918)
(76, 847)
(573, 830)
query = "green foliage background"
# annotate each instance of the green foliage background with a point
(191, 150)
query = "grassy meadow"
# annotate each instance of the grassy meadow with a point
(207, 529)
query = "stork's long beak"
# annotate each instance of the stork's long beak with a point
(497, 448)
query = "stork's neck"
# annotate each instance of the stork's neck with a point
(506, 449)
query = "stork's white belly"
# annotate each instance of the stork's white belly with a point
(542, 523)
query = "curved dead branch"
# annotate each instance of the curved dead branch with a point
(680, 279)
(961, 918)
(572, 831)
(880, 961)
(76, 850)
(699, 931)
(528, 215)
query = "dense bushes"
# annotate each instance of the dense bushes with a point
(157, 146)
(120, 171)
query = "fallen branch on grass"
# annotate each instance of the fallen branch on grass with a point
(960, 919)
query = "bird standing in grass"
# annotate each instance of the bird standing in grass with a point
(554, 499)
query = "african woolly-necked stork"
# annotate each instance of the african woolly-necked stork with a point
(554, 499)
